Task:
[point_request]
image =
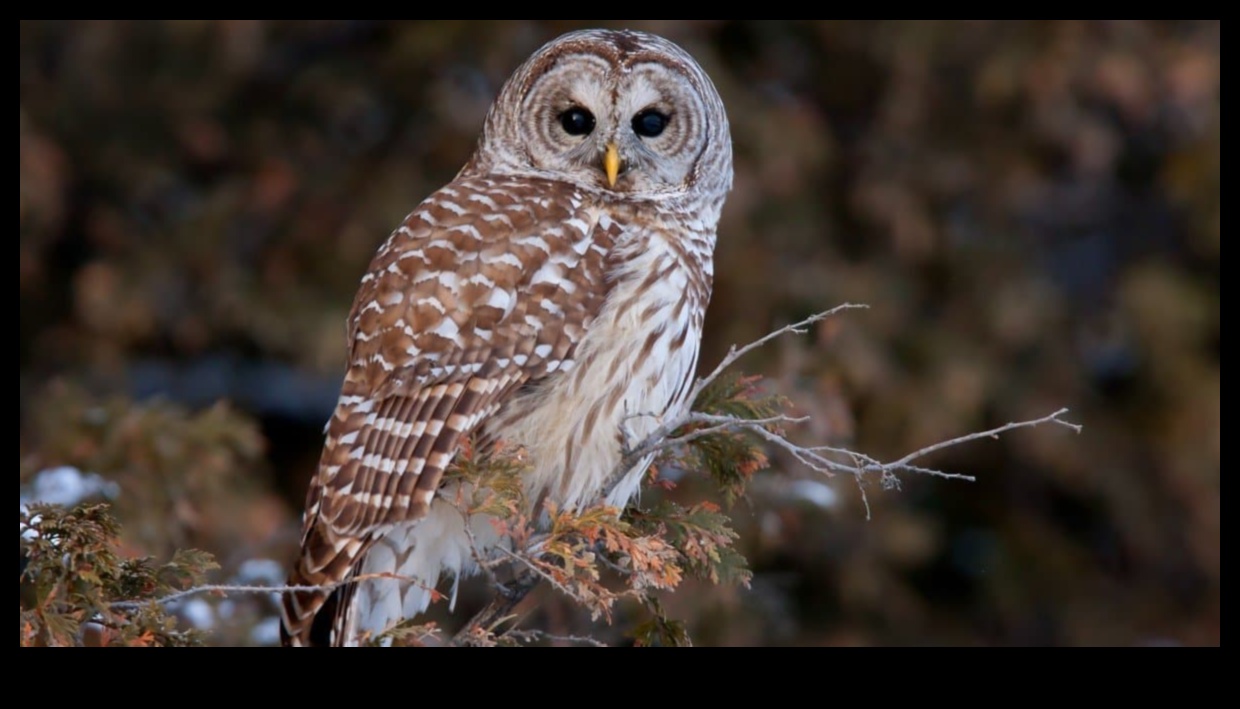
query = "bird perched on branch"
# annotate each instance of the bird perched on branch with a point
(548, 296)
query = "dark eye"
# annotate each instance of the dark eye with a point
(577, 121)
(649, 123)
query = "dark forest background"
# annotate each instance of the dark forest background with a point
(1031, 210)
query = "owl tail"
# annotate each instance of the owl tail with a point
(319, 616)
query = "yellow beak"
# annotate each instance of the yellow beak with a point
(611, 164)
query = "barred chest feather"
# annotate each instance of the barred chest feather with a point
(631, 371)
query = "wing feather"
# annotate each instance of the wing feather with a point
(454, 315)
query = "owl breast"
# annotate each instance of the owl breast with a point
(630, 373)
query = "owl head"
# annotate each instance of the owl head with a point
(623, 112)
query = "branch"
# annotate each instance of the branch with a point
(507, 595)
(828, 460)
(473, 545)
(715, 424)
(536, 571)
(506, 599)
(653, 442)
(214, 588)
(814, 457)
(536, 635)
(992, 433)
(795, 328)
(227, 588)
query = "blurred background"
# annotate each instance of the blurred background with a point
(1030, 209)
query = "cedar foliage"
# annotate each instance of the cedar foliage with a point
(79, 588)
(600, 555)
(183, 481)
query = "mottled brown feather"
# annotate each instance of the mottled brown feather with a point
(411, 373)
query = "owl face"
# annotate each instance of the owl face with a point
(625, 112)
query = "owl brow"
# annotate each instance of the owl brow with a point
(604, 62)
(658, 81)
(690, 71)
(554, 67)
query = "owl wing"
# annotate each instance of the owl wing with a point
(487, 285)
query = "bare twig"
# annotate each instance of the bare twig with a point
(992, 433)
(814, 457)
(225, 589)
(507, 596)
(865, 499)
(536, 570)
(215, 588)
(530, 636)
(474, 551)
(735, 353)
(822, 459)
(653, 442)
(717, 424)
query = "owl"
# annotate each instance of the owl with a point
(549, 297)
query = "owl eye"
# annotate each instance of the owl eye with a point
(649, 123)
(577, 121)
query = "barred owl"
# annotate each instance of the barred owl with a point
(553, 290)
